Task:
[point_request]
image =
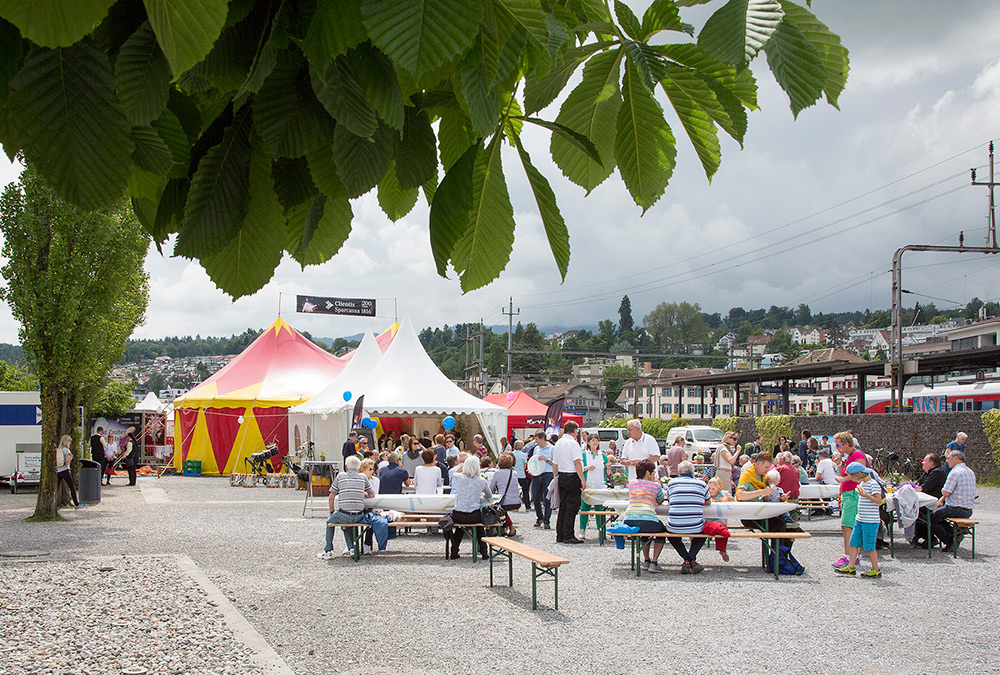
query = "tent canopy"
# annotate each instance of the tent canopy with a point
(280, 368)
(523, 411)
(150, 404)
(331, 399)
(244, 406)
(407, 383)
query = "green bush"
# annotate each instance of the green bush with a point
(991, 427)
(612, 423)
(771, 427)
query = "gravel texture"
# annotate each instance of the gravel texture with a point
(109, 615)
(408, 610)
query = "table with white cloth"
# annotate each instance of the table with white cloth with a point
(924, 500)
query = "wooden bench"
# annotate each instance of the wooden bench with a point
(542, 564)
(359, 528)
(640, 540)
(410, 520)
(603, 518)
(963, 527)
(810, 504)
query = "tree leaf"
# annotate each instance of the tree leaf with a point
(540, 91)
(422, 35)
(170, 209)
(416, 159)
(219, 196)
(249, 256)
(292, 182)
(267, 57)
(142, 77)
(54, 23)
(379, 83)
(361, 162)
(336, 26)
(186, 29)
(475, 92)
(628, 20)
(739, 29)
(339, 90)
(71, 125)
(692, 98)
(558, 35)
(12, 51)
(591, 110)
(739, 83)
(577, 139)
(287, 114)
(797, 66)
(484, 249)
(451, 207)
(317, 229)
(555, 227)
(151, 153)
(170, 130)
(145, 185)
(647, 59)
(395, 201)
(662, 15)
(836, 62)
(323, 171)
(455, 136)
(529, 17)
(644, 146)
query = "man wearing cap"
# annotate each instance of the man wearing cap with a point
(958, 496)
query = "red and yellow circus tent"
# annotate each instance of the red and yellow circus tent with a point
(244, 406)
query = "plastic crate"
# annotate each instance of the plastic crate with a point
(192, 467)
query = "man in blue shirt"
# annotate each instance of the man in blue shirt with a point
(540, 481)
(393, 477)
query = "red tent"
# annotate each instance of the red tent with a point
(524, 412)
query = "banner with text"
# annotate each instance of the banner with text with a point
(313, 304)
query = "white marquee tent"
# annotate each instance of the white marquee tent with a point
(404, 382)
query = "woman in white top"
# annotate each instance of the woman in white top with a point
(64, 457)
(427, 478)
(724, 459)
(595, 465)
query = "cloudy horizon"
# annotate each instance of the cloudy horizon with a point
(809, 211)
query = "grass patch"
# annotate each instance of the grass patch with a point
(991, 480)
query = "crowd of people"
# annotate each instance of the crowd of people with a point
(526, 468)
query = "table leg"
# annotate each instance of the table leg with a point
(534, 585)
(892, 538)
(491, 564)
(555, 579)
(510, 569)
(930, 535)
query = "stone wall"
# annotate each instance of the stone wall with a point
(907, 433)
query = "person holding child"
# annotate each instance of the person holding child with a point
(865, 530)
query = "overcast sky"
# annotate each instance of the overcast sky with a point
(810, 210)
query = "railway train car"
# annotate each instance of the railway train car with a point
(949, 396)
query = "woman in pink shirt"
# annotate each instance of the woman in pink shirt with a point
(844, 442)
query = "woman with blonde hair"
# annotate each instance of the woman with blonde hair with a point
(64, 458)
(726, 457)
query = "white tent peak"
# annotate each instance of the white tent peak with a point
(331, 398)
(150, 404)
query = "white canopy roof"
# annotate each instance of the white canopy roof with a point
(406, 383)
(150, 404)
(331, 399)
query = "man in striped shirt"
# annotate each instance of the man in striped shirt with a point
(958, 496)
(688, 497)
(347, 493)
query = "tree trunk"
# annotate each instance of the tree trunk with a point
(45, 505)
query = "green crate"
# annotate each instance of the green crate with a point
(192, 467)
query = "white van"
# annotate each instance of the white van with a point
(700, 439)
(619, 436)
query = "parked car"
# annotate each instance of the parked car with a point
(700, 440)
(619, 436)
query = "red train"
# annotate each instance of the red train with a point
(962, 395)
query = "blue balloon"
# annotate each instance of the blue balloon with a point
(448, 422)
(347, 396)
(374, 425)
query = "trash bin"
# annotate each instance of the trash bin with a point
(90, 481)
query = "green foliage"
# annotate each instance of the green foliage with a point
(194, 109)
(726, 423)
(76, 285)
(771, 427)
(614, 379)
(991, 427)
(676, 325)
(613, 423)
(108, 399)
(16, 378)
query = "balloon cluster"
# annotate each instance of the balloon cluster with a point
(369, 423)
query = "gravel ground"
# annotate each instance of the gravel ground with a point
(408, 610)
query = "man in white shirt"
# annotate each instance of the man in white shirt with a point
(638, 447)
(567, 460)
(826, 472)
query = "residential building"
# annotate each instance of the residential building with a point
(581, 399)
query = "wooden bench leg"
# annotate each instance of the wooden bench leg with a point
(536, 573)
(494, 552)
